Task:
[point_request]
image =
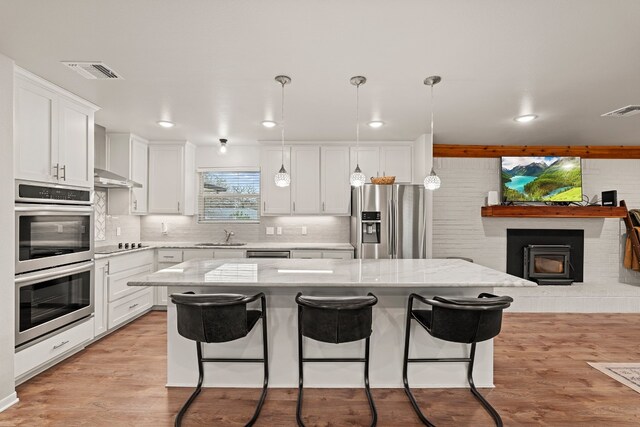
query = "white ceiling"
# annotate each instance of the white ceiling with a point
(209, 65)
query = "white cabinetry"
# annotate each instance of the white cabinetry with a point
(391, 160)
(100, 297)
(275, 200)
(172, 178)
(128, 156)
(53, 133)
(335, 190)
(318, 254)
(305, 179)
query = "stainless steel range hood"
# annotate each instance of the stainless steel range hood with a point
(105, 179)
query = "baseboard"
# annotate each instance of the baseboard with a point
(8, 401)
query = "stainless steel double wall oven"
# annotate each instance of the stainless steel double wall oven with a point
(54, 258)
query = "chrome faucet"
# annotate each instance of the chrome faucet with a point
(229, 234)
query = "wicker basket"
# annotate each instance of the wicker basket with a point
(383, 180)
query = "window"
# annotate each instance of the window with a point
(229, 196)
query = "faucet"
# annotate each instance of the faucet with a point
(229, 234)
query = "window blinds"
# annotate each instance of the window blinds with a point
(229, 196)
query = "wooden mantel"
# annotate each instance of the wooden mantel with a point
(520, 211)
(583, 151)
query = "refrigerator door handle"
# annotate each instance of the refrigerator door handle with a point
(390, 228)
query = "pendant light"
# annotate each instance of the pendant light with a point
(223, 145)
(357, 178)
(282, 178)
(432, 181)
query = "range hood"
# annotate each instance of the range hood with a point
(105, 179)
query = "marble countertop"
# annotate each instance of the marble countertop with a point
(400, 273)
(249, 246)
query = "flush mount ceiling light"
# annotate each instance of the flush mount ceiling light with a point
(526, 118)
(223, 145)
(376, 124)
(282, 178)
(269, 123)
(166, 124)
(432, 181)
(357, 178)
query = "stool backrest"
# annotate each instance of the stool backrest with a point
(467, 320)
(212, 317)
(336, 319)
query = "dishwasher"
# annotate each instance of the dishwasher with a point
(268, 254)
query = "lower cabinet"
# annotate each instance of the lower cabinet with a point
(130, 307)
(100, 297)
(315, 254)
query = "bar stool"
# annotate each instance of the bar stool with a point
(335, 320)
(461, 320)
(217, 318)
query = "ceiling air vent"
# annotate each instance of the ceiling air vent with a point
(92, 70)
(629, 110)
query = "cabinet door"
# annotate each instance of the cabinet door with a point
(337, 254)
(165, 178)
(397, 161)
(369, 160)
(275, 200)
(335, 190)
(36, 132)
(305, 180)
(139, 165)
(99, 298)
(189, 254)
(75, 144)
(228, 253)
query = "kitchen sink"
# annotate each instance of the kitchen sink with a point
(221, 244)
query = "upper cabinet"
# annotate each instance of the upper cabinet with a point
(275, 200)
(53, 133)
(128, 156)
(335, 190)
(388, 160)
(305, 179)
(172, 178)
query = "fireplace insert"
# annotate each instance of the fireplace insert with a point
(548, 264)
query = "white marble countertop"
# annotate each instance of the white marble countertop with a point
(285, 246)
(400, 273)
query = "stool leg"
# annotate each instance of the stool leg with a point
(198, 389)
(405, 368)
(374, 413)
(265, 356)
(300, 371)
(494, 414)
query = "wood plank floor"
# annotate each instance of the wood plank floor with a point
(541, 376)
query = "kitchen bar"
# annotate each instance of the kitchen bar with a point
(391, 280)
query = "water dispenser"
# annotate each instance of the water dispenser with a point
(370, 227)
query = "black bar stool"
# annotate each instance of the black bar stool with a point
(212, 318)
(335, 320)
(462, 320)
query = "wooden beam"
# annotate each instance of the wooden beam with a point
(521, 211)
(583, 151)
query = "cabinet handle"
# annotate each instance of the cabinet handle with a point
(135, 205)
(178, 206)
(64, 169)
(264, 206)
(57, 169)
(294, 206)
(322, 206)
(133, 306)
(63, 343)
(384, 173)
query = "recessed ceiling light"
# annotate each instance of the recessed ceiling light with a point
(269, 124)
(526, 118)
(376, 124)
(166, 124)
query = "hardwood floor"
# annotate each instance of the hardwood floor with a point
(541, 377)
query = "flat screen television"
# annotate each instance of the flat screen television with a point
(541, 179)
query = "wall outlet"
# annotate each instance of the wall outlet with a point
(164, 228)
(304, 230)
(118, 231)
(60, 228)
(279, 230)
(269, 231)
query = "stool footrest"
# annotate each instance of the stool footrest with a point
(223, 359)
(329, 359)
(444, 359)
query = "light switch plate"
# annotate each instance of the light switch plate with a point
(118, 231)
(304, 230)
(279, 230)
(269, 231)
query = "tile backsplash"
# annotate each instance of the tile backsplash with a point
(106, 226)
(186, 229)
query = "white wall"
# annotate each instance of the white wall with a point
(7, 295)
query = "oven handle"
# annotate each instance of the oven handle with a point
(53, 209)
(53, 273)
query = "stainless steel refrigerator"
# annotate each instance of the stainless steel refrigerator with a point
(389, 221)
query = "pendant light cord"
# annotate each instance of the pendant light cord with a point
(282, 123)
(432, 109)
(358, 125)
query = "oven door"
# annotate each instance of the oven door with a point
(50, 299)
(52, 235)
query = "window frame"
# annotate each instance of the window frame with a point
(201, 197)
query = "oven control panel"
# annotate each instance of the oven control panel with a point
(42, 193)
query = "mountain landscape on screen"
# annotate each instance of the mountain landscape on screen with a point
(541, 179)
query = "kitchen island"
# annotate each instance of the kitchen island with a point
(281, 279)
